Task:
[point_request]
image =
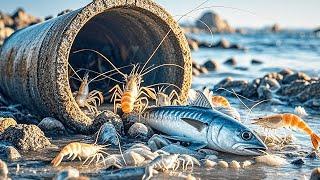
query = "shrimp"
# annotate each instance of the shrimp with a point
(163, 99)
(220, 101)
(288, 120)
(81, 150)
(84, 98)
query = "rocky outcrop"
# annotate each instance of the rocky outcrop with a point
(215, 23)
(25, 137)
(52, 127)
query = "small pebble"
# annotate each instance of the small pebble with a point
(298, 162)
(209, 164)
(52, 126)
(313, 155)
(223, 164)
(9, 152)
(315, 175)
(5, 123)
(231, 62)
(246, 163)
(138, 130)
(271, 160)
(235, 164)
(3, 170)
(67, 173)
(211, 157)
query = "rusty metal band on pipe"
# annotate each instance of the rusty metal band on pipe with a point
(34, 60)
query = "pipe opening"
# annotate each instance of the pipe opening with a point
(125, 36)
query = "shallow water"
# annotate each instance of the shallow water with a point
(296, 50)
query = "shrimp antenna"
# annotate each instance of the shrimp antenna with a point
(169, 84)
(96, 141)
(258, 103)
(233, 92)
(144, 73)
(170, 30)
(104, 57)
(205, 24)
(118, 135)
(75, 72)
(104, 76)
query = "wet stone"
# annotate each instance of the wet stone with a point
(292, 89)
(9, 152)
(195, 65)
(25, 137)
(195, 72)
(273, 83)
(5, 123)
(310, 92)
(313, 155)
(51, 126)
(211, 65)
(237, 85)
(138, 130)
(3, 170)
(294, 77)
(110, 117)
(275, 76)
(256, 62)
(223, 82)
(264, 92)
(315, 175)
(223, 164)
(208, 163)
(286, 72)
(235, 164)
(223, 43)
(203, 70)
(231, 62)
(108, 134)
(298, 162)
(250, 91)
(242, 68)
(67, 173)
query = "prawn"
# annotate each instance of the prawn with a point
(288, 120)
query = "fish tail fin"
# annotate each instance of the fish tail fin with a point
(315, 139)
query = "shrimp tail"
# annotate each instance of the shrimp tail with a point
(315, 139)
(57, 160)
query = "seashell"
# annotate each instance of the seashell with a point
(246, 163)
(235, 164)
(271, 160)
(209, 164)
(223, 164)
(138, 130)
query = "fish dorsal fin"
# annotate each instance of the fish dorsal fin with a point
(195, 123)
(198, 98)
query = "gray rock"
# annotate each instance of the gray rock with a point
(110, 117)
(195, 65)
(211, 65)
(193, 44)
(223, 43)
(223, 82)
(203, 70)
(237, 85)
(315, 175)
(313, 155)
(195, 72)
(231, 62)
(214, 22)
(311, 91)
(51, 126)
(251, 91)
(286, 72)
(274, 75)
(295, 77)
(9, 152)
(264, 92)
(298, 162)
(3, 170)
(25, 137)
(293, 89)
(242, 68)
(273, 83)
(67, 173)
(108, 134)
(256, 62)
(138, 130)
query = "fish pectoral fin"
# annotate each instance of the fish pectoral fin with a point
(177, 138)
(195, 123)
(197, 145)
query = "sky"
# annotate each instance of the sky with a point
(239, 13)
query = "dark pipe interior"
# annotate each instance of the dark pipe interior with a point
(126, 36)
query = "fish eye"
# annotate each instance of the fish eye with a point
(246, 135)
